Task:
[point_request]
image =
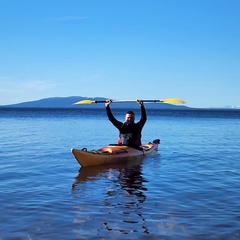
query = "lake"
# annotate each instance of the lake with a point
(190, 190)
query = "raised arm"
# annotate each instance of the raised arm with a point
(143, 112)
(111, 118)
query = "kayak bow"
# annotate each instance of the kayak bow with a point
(114, 153)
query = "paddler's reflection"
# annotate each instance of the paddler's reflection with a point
(128, 202)
(131, 181)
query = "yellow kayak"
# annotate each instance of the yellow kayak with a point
(114, 153)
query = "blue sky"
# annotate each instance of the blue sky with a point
(121, 49)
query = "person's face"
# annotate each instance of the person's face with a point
(129, 118)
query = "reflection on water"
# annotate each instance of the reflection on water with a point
(131, 183)
(131, 180)
(123, 197)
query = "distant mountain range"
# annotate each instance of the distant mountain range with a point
(67, 102)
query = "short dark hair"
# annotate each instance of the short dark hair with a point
(130, 112)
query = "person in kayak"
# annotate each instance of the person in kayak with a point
(130, 133)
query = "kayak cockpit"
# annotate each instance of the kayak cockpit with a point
(112, 150)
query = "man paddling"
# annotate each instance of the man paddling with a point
(130, 133)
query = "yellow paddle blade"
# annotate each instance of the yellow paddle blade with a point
(172, 100)
(85, 102)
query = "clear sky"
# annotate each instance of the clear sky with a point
(121, 49)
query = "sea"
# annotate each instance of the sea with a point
(189, 190)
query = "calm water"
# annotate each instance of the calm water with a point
(191, 190)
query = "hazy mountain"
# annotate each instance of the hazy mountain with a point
(67, 102)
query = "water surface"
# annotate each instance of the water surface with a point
(190, 190)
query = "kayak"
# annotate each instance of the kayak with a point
(114, 153)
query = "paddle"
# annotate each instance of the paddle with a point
(168, 100)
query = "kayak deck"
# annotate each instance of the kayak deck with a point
(113, 153)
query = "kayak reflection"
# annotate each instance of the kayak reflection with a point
(124, 193)
(94, 173)
(129, 177)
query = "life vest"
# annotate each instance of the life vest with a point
(129, 135)
(125, 138)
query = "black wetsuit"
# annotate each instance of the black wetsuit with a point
(134, 129)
